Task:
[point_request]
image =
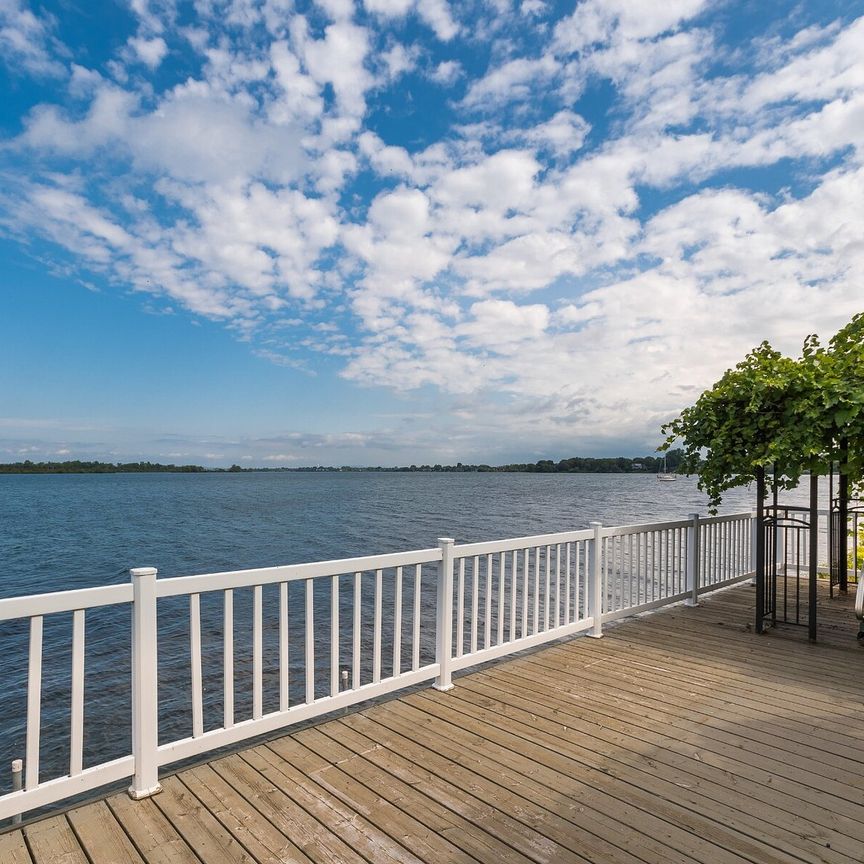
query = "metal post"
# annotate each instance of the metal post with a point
(595, 593)
(843, 518)
(17, 772)
(444, 617)
(145, 712)
(760, 549)
(814, 553)
(693, 540)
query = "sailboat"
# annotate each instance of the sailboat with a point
(664, 475)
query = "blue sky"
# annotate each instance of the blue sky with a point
(397, 231)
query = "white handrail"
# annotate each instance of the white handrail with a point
(491, 599)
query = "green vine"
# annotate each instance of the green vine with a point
(790, 416)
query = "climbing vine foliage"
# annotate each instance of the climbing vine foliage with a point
(790, 416)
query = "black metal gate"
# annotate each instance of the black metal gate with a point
(786, 560)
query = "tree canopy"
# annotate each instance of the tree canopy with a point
(789, 416)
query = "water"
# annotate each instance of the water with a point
(73, 531)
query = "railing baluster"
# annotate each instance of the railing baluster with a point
(655, 562)
(668, 552)
(630, 569)
(376, 628)
(594, 581)
(397, 623)
(284, 660)
(526, 566)
(717, 550)
(334, 635)
(513, 577)
(502, 560)
(355, 652)
(567, 583)
(228, 658)
(34, 704)
(309, 637)
(557, 584)
(415, 644)
(536, 628)
(548, 590)
(577, 559)
(257, 652)
(460, 609)
(487, 623)
(76, 734)
(475, 597)
(195, 663)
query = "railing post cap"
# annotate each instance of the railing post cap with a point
(596, 524)
(137, 572)
(17, 766)
(446, 540)
(694, 515)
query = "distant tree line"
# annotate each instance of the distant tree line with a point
(76, 466)
(574, 465)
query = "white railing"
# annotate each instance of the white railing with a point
(327, 635)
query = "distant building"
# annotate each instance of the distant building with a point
(637, 466)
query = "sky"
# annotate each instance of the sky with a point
(412, 231)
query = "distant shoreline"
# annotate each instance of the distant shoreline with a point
(574, 465)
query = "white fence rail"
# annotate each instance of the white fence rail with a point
(317, 637)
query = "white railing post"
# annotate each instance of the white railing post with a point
(595, 589)
(754, 544)
(693, 538)
(145, 710)
(444, 617)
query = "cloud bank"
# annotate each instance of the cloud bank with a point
(562, 225)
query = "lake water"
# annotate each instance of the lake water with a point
(71, 531)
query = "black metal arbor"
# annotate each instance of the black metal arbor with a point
(787, 552)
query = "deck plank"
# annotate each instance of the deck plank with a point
(101, 836)
(277, 807)
(681, 737)
(387, 818)
(156, 839)
(52, 841)
(13, 849)
(263, 840)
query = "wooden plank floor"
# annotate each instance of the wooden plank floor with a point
(679, 737)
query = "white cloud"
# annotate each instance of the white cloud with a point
(339, 60)
(564, 133)
(26, 41)
(151, 52)
(599, 21)
(169, 139)
(398, 59)
(446, 72)
(389, 8)
(437, 14)
(513, 81)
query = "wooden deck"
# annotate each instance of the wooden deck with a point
(679, 737)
